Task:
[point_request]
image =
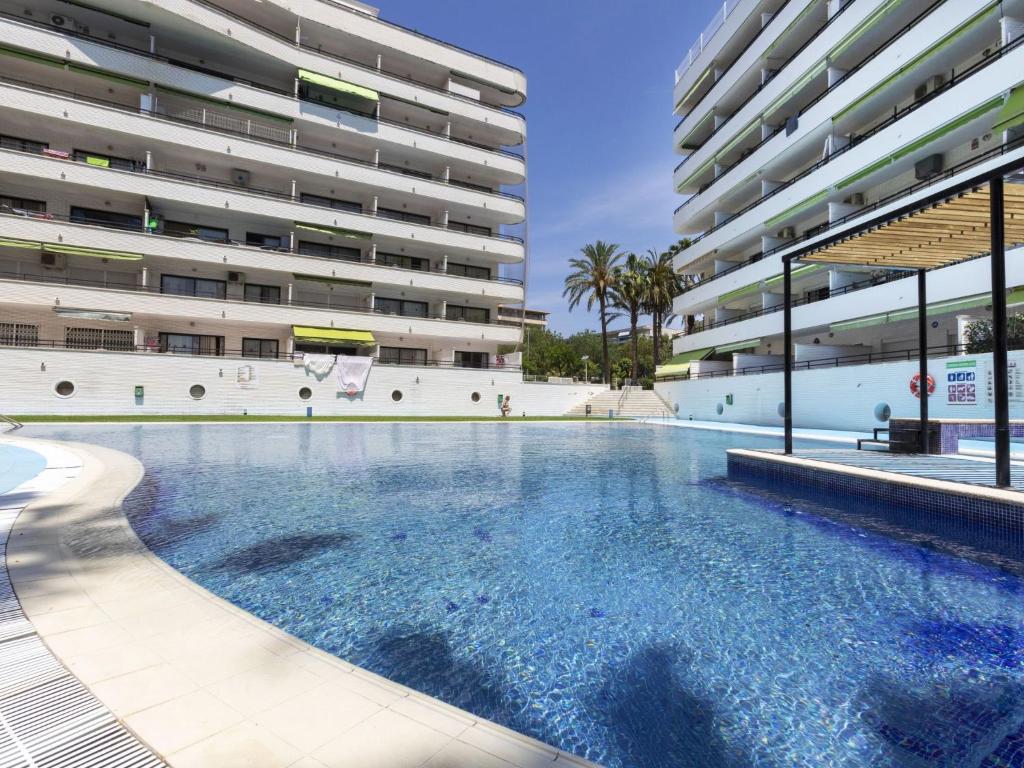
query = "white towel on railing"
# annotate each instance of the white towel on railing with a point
(318, 365)
(352, 372)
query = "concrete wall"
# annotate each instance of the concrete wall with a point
(841, 398)
(105, 383)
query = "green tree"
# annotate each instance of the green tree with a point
(685, 281)
(663, 285)
(978, 335)
(592, 278)
(629, 293)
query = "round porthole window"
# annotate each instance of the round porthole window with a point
(882, 412)
(305, 393)
(781, 410)
(197, 391)
(396, 395)
(719, 409)
(475, 397)
(64, 389)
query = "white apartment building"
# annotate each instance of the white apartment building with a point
(196, 193)
(801, 116)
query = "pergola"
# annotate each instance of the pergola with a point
(970, 219)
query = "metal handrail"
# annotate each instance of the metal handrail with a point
(856, 139)
(862, 358)
(258, 192)
(233, 353)
(158, 115)
(11, 424)
(154, 290)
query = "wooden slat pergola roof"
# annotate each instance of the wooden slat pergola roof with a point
(946, 232)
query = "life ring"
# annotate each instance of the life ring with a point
(915, 385)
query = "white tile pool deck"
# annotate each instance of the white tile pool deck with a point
(821, 435)
(198, 680)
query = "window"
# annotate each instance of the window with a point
(197, 391)
(406, 171)
(405, 262)
(818, 294)
(191, 344)
(330, 202)
(400, 307)
(402, 356)
(262, 294)
(115, 340)
(19, 334)
(264, 241)
(105, 218)
(325, 349)
(259, 348)
(470, 185)
(106, 161)
(472, 229)
(64, 389)
(467, 270)
(184, 229)
(468, 314)
(470, 359)
(21, 204)
(412, 218)
(305, 393)
(343, 101)
(193, 286)
(337, 252)
(22, 145)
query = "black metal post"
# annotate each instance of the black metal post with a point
(922, 352)
(1000, 375)
(787, 341)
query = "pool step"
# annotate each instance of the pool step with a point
(626, 403)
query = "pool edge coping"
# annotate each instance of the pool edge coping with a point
(129, 557)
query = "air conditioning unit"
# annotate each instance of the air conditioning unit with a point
(62, 21)
(53, 260)
(857, 198)
(240, 177)
(236, 277)
(930, 166)
(787, 234)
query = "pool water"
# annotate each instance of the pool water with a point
(600, 587)
(18, 465)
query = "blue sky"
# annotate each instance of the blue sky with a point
(599, 117)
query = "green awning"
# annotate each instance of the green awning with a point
(694, 87)
(864, 172)
(802, 205)
(876, 16)
(339, 231)
(1012, 113)
(1014, 297)
(332, 335)
(331, 280)
(934, 48)
(334, 84)
(98, 253)
(737, 293)
(52, 61)
(225, 104)
(685, 141)
(961, 121)
(110, 76)
(99, 162)
(802, 271)
(738, 346)
(740, 136)
(703, 167)
(810, 7)
(12, 243)
(796, 87)
(679, 365)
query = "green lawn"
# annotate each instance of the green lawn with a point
(99, 419)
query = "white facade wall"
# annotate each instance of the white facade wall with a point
(105, 384)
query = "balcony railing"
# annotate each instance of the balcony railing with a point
(85, 221)
(116, 285)
(728, 6)
(813, 298)
(154, 349)
(253, 191)
(860, 358)
(201, 118)
(956, 78)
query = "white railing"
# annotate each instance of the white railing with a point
(728, 6)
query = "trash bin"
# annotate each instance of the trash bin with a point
(309, 411)
(590, 409)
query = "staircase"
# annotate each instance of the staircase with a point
(7, 423)
(626, 403)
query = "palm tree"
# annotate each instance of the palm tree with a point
(630, 294)
(663, 284)
(593, 276)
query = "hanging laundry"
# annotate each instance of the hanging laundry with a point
(352, 372)
(318, 365)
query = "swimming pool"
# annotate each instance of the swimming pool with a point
(17, 465)
(599, 587)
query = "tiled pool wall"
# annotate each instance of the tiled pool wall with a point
(950, 434)
(963, 509)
